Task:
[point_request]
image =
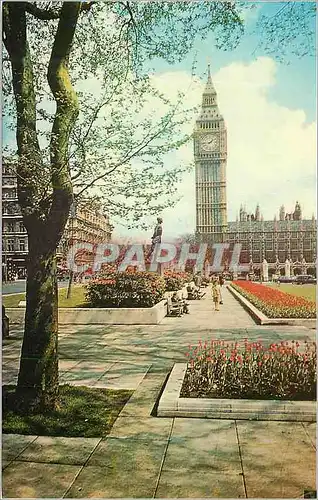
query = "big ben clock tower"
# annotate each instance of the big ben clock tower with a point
(210, 153)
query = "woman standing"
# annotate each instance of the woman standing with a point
(221, 282)
(216, 293)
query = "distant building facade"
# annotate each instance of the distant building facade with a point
(85, 224)
(288, 237)
(14, 235)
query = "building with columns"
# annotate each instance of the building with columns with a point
(287, 237)
(210, 152)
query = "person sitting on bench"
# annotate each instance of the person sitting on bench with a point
(175, 299)
(194, 292)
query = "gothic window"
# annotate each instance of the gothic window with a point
(22, 247)
(269, 245)
(10, 245)
(10, 227)
(294, 244)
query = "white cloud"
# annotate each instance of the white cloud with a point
(271, 148)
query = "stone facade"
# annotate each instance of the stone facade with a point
(276, 241)
(14, 236)
(86, 224)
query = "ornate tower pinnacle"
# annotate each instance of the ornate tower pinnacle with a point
(297, 212)
(257, 213)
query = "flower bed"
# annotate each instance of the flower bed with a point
(274, 303)
(175, 280)
(285, 371)
(126, 289)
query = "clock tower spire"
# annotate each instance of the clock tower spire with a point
(210, 154)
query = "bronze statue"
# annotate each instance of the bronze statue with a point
(156, 238)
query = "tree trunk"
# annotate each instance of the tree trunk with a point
(44, 214)
(37, 388)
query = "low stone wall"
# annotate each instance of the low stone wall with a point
(260, 317)
(101, 316)
(172, 405)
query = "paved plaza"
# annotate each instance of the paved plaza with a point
(151, 457)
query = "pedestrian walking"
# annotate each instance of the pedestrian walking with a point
(216, 293)
(221, 283)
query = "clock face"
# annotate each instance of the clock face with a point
(209, 142)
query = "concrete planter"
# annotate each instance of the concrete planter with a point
(172, 405)
(261, 319)
(102, 316)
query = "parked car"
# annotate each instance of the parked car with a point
(305, 278)
(286, 279)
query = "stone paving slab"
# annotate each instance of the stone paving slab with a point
(265, 432)
(35, 480)
(310, 429)
(275, 484)
(278, 459)
(101, 482)
(195, 484)
(85, 373)
(60, 450)
(123, 376)
(5, 463)
(129, 454)
(148, 428)
(197, 444)
(14, 444)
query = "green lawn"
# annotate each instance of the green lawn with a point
(83, 412)
(77, 298)
(306, 291)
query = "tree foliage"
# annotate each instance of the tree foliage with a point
(289, 32)
(126, 128)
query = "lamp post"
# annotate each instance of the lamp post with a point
(72, 217)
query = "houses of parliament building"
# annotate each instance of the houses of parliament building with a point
(286, 237)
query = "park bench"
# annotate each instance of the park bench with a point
(174, 308)
(195, 294)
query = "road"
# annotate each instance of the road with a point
(20, 285)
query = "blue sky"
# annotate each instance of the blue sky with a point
(296, 79)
